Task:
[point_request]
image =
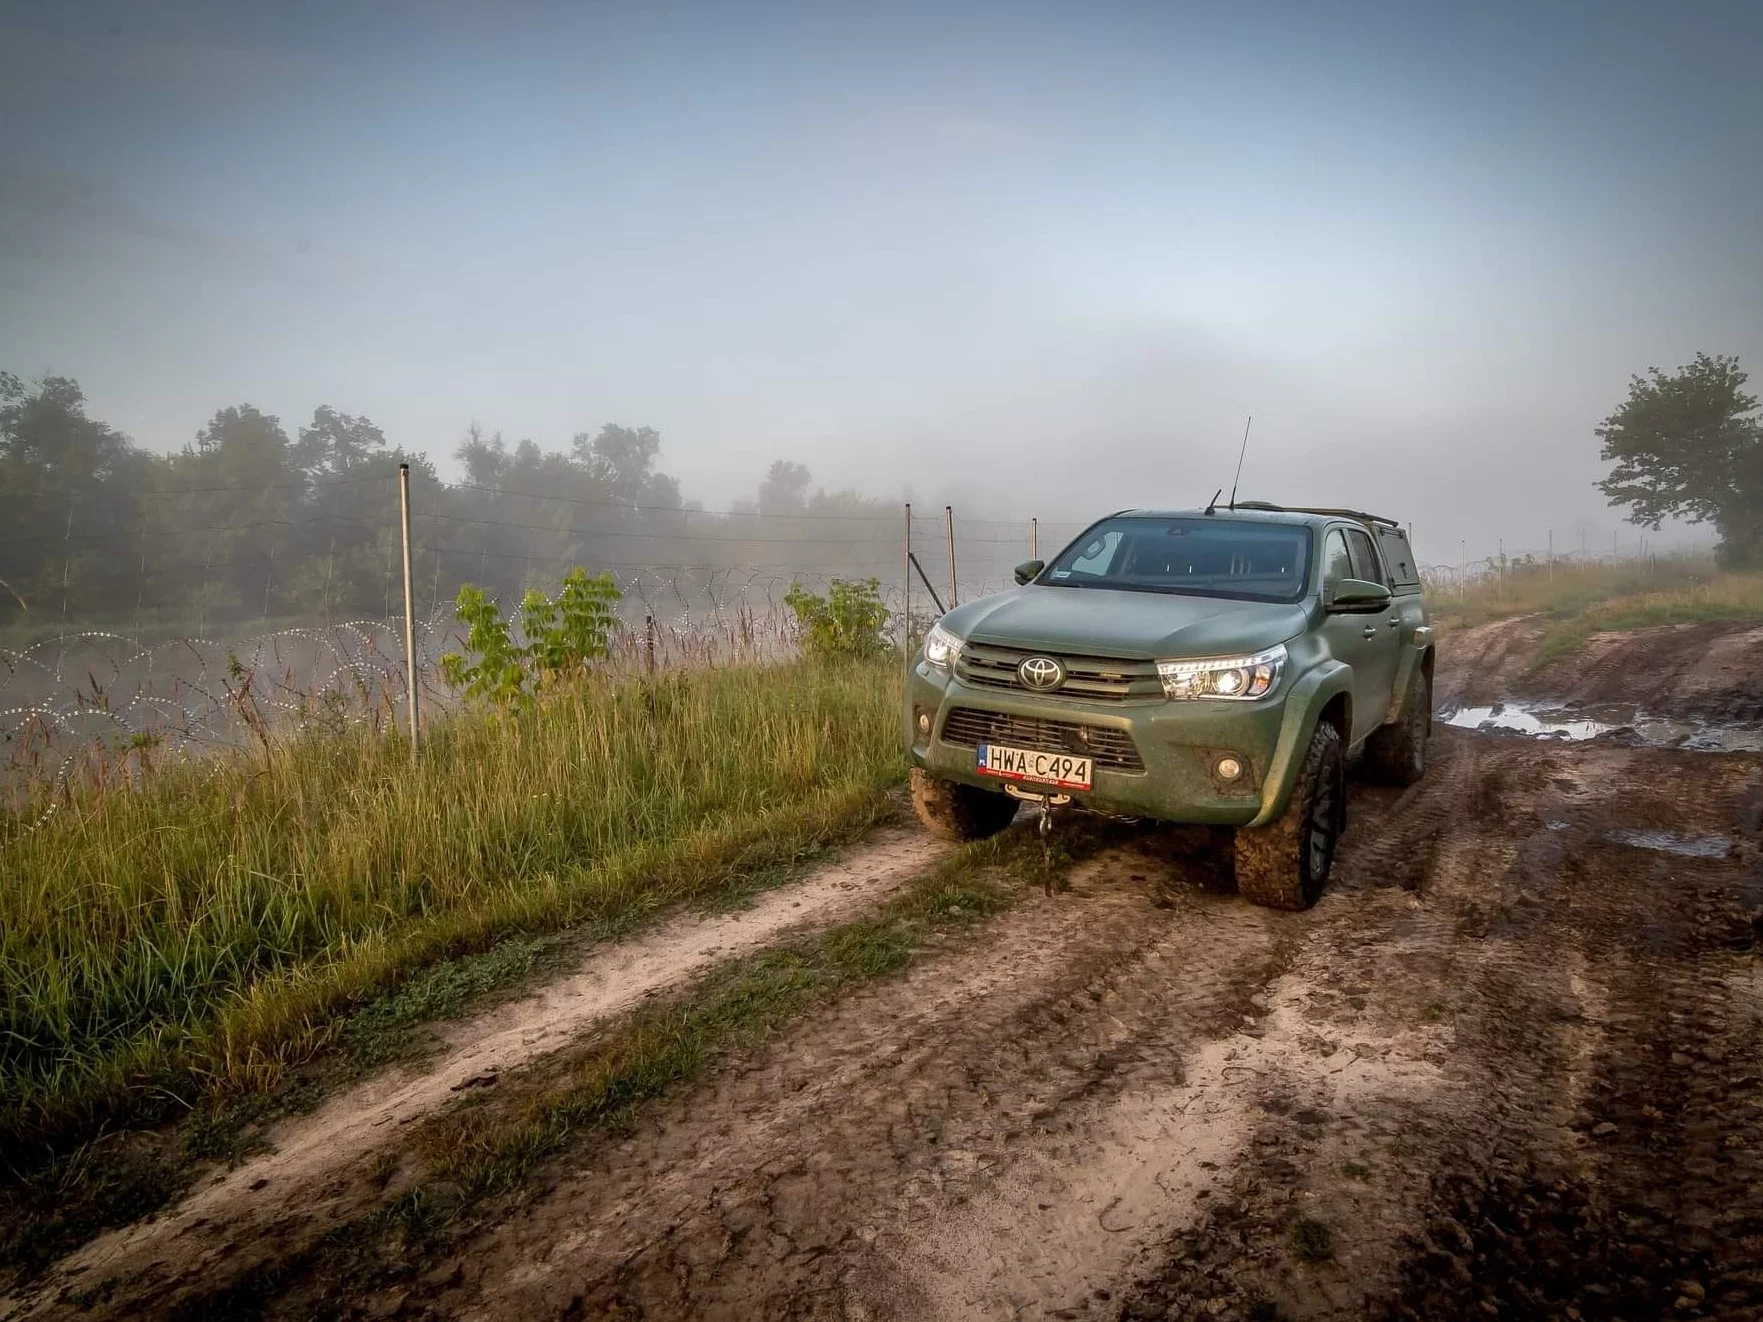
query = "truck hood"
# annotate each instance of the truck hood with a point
(1132, 625)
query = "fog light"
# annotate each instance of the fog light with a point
(1228, 768)
(924, 722)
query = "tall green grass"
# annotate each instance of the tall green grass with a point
(1579, 600)
(202, 932)
(1674, 590)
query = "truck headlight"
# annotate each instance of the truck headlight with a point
(1237, 677)
(941, 648)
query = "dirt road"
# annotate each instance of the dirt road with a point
(1510, 1066)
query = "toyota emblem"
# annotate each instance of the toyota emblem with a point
(1040, 672)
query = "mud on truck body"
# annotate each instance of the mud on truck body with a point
(1215, 666)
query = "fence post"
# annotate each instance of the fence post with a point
(954, 591)
(66, 559)
(1551, 555)
(409, 606)
(1034, 539)
(141, 587)
(906, 603)
(649, 643)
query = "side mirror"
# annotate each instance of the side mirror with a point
(1353, 595)
(1029, 570)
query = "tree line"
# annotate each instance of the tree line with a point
(253, 522)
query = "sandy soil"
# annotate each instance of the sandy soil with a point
(1511, 1065)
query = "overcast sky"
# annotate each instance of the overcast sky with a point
(1040, 258)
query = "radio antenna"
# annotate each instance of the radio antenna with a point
(1240, 454)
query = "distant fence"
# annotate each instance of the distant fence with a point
(109, 703)
(121, 698)
(1467, 575)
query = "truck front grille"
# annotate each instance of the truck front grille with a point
(1108, 679)
(1113, 749)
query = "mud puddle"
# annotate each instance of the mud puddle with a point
(1541, 718)
(1673, 842)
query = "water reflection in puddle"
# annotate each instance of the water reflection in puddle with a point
(1543, 720)
(1670, 842)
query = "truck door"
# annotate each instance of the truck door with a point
(1384, 653)
(1398, 558)
(1356, 640)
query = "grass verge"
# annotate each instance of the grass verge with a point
(1577, 601)
(203, 934)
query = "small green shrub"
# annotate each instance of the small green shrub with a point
(563, 636)
(844, 624)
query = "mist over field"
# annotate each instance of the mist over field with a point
(1029, 260)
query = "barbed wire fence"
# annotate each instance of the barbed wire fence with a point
(702, 588)
(1638, 550)
(194, 674)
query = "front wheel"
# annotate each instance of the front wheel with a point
(1285, 864)
(959, 812)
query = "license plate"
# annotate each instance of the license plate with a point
(1060, 769)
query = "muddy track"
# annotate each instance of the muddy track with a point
(238, 1217)
(1210, 1111)
(1707, 670)
(1510, 1066)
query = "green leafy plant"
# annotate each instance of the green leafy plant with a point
(498, 673)
(567, 633)
(563, 636)
(844, 624)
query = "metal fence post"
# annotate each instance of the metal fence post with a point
(906, 601)
(954, 590)
(409, 606)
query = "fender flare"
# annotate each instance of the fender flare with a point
(1309, 694)
(1413, 655)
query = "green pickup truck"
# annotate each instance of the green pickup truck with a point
(1214, 666)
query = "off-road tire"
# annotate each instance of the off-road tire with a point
(959, 812)
(1396, 753)
(1285, 864)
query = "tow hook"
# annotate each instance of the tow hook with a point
(1045, 803)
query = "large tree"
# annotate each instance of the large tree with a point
(1689, 444)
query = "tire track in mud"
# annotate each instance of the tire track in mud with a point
(1588, 1152)
(1011, 1131)
(1712, 670)
(220, 1228)
(1482, 663)
(1026, 1083)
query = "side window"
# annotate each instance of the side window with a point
(1365, 562)
(1400, 557)
(1336, 563)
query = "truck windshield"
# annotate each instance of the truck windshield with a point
(1197, 556)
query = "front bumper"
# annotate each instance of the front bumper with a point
(1178, 742)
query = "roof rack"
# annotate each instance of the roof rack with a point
(1361, 515)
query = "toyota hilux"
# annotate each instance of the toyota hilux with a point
(1217, 666)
